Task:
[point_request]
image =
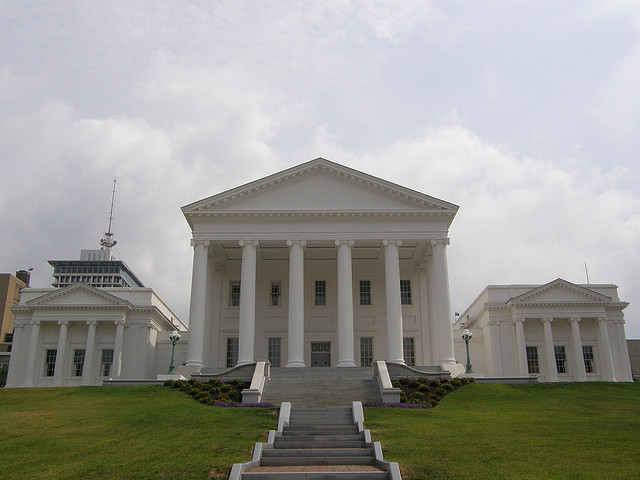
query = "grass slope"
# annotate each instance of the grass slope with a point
(123, 433)
(533, 431)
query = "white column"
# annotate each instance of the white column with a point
(433, 317)
(576, 347)
(421, 270)
(116, 368)
(59, 374)
(247, 313)
(195, 350)
(625, 375)
(496, 347)
(295, 355)
(17, 354)
(605, 351)
(443, 301)
(394, 307)
(346, 356)
(549, 354)
(34, 353)
(89, 354)
(521, 347)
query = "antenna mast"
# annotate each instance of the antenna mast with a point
(107, 240)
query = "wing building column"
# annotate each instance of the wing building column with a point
(195, 351)
(576, 347)
(58, 374)
(34, 340)
(394, 307)
(345, 304)
(608, 374)
(296, 303)
(90, 353)
(247, 326)
(117, 350)
(549, 353)
(521, 347)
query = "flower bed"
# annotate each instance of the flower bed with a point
(215, 392)
(422, 392)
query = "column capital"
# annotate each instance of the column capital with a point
(546, 320)
(601, 319)
(620, 321)
(18, 325)
(443, 241)
(344, 242)
(574, 319)
(120, 321)
(63, 322)
(92, 322)
(493, 322)
(519, 320)
(195, 242)
(397, 243)
(302, 243)
(35, 323)
(248, 242)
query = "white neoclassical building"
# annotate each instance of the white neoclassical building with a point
(320, 265)
(559, 331)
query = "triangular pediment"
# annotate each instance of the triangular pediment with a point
(560, 291)
(320, 186)
(76, 295)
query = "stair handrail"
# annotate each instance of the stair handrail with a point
(253, 394)
(388, 392)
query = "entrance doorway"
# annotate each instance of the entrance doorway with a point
(320, 354)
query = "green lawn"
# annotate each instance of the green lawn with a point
(123, 433)
(533, 431)
(481, 431)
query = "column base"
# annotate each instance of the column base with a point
(346, 363)
(295, 364)
(400, 361)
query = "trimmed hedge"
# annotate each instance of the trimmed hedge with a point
(422, 392)
(215, 392)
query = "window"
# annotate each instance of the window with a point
(366, 351)
(561, 358)
(409, 351)
(106, 362)
(276, 294)
(274, 351)
(365, 292)
(532, 360)
(232, 352)
(50, 362)
(234, 294)
(589, 359)
(405, 292)
(320, 292)
(78, 362)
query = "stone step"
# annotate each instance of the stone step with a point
(317, 452)
(311, 437)
(297, 460)
(317, 472)
(300, 444)
(297, 430)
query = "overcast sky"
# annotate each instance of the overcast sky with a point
(524, 113)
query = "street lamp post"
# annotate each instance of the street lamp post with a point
(466, 336)
(175, 337)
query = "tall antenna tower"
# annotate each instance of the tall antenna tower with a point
(107, 240)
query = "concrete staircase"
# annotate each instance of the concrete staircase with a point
(321, 387)
(319, 444)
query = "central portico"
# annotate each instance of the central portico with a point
(319, 265)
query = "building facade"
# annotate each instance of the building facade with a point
(559, 331)
(10, 288)
(320, 265)
(79, 334)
